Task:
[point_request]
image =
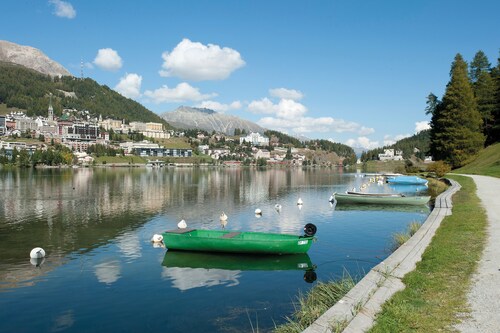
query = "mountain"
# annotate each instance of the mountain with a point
(29, 90)
(205, 119)
(30, 57)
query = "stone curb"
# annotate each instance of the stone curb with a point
(360, 305)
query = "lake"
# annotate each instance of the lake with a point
(102, 273)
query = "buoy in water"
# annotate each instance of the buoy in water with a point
(258, 211)
(182, 224)
(37, 252)
(157, 238)
(300, 202)
(223, 220)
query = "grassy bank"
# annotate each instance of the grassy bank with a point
(436, 291)
(311, 306)
(486, 163)
(120, 160)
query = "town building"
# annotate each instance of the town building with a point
(391, 155)
(3, 128)
(255, 139)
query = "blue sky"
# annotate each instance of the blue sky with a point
(355, 72)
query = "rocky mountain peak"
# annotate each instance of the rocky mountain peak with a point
(195, 110)
(30, 57)
(186, 117)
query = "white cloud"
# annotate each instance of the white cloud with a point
(284, 93)
(390, 140)
(362, 142)
(182, 93)
(365, 130)
(421, 125)
(311, 125)
(289, 116)
(286, 108)
(198, 62)
(63, 9)
(216, 106)
(130, 85)
(108, 59)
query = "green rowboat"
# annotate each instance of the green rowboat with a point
(238, 242)
(381, 199)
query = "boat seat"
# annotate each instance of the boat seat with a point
(231, 234)
(179, 231)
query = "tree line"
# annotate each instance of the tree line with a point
(29, 90)
(467, 118)
(53, 156)
(464, 121)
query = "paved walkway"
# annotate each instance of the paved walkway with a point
(484, 297)
(360, 306)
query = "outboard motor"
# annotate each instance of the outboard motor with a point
(310, 230)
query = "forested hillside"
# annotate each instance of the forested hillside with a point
(29, 90)
(420, 141)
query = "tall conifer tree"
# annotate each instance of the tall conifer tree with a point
(456, 123)
(495, 131)
(483, 86)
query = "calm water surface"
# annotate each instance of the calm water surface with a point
(102, 273)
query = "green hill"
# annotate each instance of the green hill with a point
(486, 163)
(420, 140)
(29, 90)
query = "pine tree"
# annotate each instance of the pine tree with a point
(456, 123)
(478, 65)
(483, 86)
(495, 131)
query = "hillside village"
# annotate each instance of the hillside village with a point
(79, 131)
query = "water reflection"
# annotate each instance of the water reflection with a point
(108, 272)
(423, 209)
(194, 269)
(96, 227)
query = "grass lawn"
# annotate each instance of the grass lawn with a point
(486, 163)
(436, 291)
(119, 159)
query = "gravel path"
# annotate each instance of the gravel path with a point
(484, 296)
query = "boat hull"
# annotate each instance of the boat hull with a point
(236, 242)
(381, 200)
(407, 180)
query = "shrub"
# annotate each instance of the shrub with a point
(440, 168)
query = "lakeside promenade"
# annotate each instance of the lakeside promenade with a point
(360, 306)
(484, 296)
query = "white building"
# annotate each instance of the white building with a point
(391, 155)
(262, 153)
(255, 139)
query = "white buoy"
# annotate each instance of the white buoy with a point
(182, 224)
(223, 220)
(37, 252)
(258, 211)
(157, 238)
(300, 202)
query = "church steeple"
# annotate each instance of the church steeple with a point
(50, 116)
